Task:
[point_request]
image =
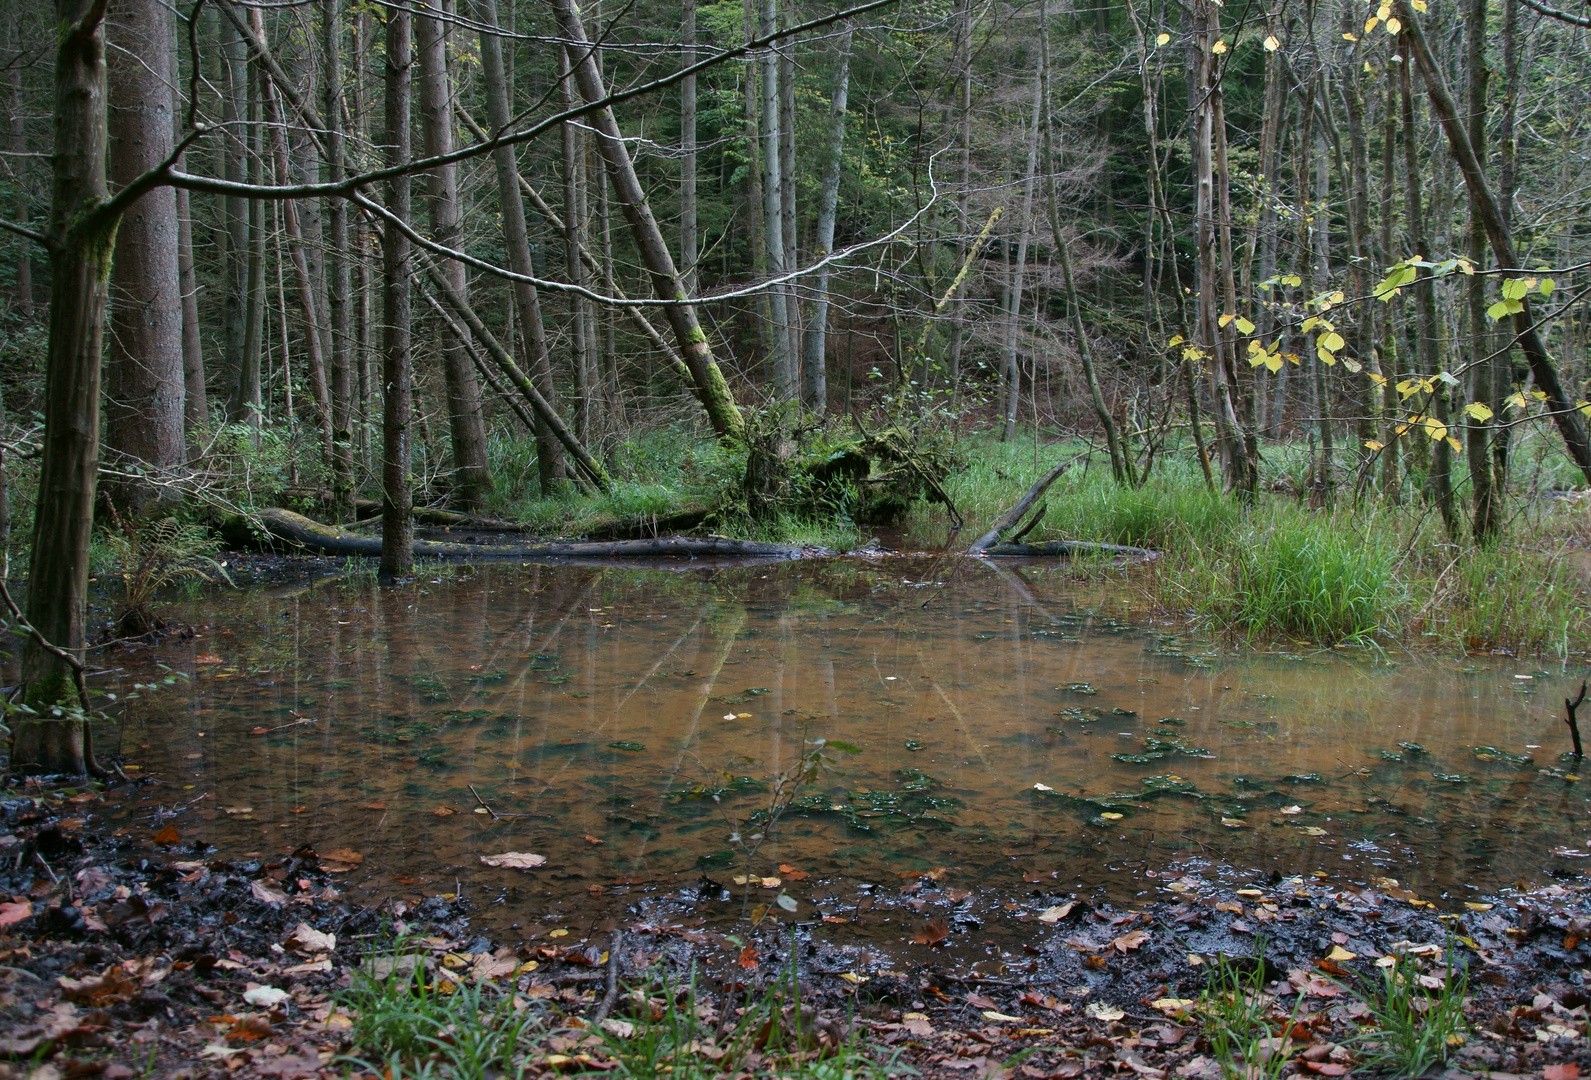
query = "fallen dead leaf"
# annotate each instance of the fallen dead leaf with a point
(515, 860)
(593, 841)
(748, 958)
(445, 811)
(208, 658)
(265, 997)
(1104, 1010)
(937, 932)
(237, 810)
(1339, 954)
(377, 805)
(1055, 914)
(792, 874)
(990, 1014)
(309, 941)
(11, 914)
(340, 860)
(168, 836)
(1173, 1006)
(1567, 1071)
(1130, 940)
(264, 891)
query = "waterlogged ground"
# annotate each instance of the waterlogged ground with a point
(1023, 730)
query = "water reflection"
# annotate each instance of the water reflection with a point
(1013, 724)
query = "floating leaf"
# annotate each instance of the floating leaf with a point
(786, 901)
(168, 836)
(515, 860)
(633, 747)
(936, 932)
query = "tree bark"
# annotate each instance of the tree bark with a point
(575, 232)
(1011, 383)
(235, 209)
(80, 246)
(472, 478)
(499, 115)
(397, 498)
(711, 388)
(814, 358)
(144, 386)
(1486, 522)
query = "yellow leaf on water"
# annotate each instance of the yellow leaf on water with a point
(1110, 816)
(1477, 907)
(560, 932)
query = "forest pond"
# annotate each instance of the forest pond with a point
(1026, 730)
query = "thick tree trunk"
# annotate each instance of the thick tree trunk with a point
(144, 387)
(466, 424)
(235, 209)
(499, 115)
(397, 517)
(814, 350)
(80, 245)
(711, 388)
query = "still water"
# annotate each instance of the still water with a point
(1013, 725)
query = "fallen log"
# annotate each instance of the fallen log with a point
(277, 528)
(1068, 548)
(1011, 517)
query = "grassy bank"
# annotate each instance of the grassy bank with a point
(1356, 572)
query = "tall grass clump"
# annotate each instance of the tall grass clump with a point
(1313, 577)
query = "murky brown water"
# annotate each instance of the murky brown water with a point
(597, 711)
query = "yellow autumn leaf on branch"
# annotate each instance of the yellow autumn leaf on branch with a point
(1162, 39)
(1271, 44)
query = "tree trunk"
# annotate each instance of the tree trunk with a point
(235, 209)
(1011, 395)
(499, 116)
(1486, 524)
(315, 334)
(687, 131)
(1542, 369)
(787, 190)
(22, 298)
(575, 231)
(1426, 345)
(143, 377)
(711, 388)
(339, 280)
(814, 359)
(397, 506)
(80, 244)
(786, 368)
(963, 70)
(472, 477)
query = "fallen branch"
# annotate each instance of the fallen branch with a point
(296, 530)
(1570, 708)
(1009, 519)
(1067, 548)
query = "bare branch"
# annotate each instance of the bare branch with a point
(1555, 13)
(25, 232)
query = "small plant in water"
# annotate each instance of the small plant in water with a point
(152, 553)
(1418, 1017)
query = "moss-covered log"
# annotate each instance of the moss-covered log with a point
(1068, 548)
(275, 528)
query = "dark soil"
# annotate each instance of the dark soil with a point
(128, 954)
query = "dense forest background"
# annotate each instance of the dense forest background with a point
(496, 255)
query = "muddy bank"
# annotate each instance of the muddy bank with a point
(126, 951)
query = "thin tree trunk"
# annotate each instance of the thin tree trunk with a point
(397, 505)
(963, 67)
(1012, 381)
(499, 115)
(1486, 523)
(711, 388)
(1440, 480)
(235, 259)
(814, 359)
(22, 298)
(574, 215)
(1507, 181)
(687, 169)
(1391, 482)
(786, 368)
(339, 280)
(315, 334)
(472, 476)
(80, 245)
(1542, 369)
(143, 378)
(787, 190)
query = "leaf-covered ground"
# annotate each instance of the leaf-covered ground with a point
(133, 954)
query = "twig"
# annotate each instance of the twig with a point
(295, 723)
(612, 993)
(482, 801)
(1570, 707)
